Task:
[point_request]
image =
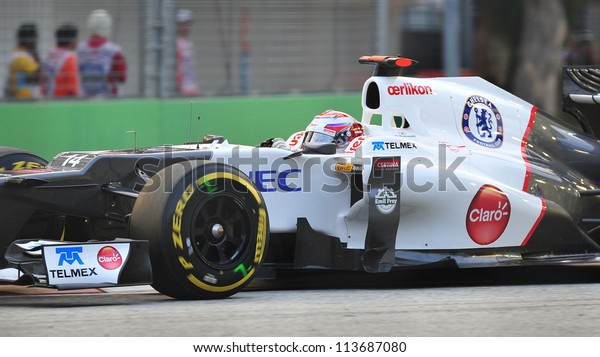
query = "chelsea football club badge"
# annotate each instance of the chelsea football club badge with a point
(482, 122)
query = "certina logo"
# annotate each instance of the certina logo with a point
(488, 215)
(409, 89)
(109, 258)
(385, 200)
(380, 145)
(482, 122)
(346, 167)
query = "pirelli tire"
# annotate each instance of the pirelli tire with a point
(207, 224)
(12, 159)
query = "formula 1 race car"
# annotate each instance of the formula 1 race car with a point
(438, 171)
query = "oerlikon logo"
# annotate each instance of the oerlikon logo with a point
(109, 258)
(488, 215)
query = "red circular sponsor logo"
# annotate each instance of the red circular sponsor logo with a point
(488, 215)
(109, 258)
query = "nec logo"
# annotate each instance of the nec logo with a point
(271, 180)
(69, 255)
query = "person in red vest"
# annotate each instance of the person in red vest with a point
(102, 65)
(60, 71)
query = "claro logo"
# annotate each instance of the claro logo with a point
(109, 258)
(409, 89)
(488, 215)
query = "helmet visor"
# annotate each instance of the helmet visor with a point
(316, 137)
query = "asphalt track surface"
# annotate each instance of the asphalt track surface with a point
(530, 302)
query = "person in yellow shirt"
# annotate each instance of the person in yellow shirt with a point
(24, 67)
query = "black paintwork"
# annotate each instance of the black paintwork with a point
(92, 202)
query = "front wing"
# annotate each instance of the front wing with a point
(71, 265)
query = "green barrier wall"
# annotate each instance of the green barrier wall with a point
(47, 128)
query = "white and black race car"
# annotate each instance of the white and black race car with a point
(442, 171)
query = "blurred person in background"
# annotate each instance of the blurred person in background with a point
(60, 71)
(187, 84)
(581, 48)
(24, 68)
(102, 65)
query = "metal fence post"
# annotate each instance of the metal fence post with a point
(151, 48)
(168, 47)
(451, 38)
(159, 49)
(382, 23)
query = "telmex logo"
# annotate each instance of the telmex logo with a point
(409, 89)
(69, 255)
(109, 258)
(380, 145)
(488, 215)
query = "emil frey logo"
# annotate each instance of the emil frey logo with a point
(482, 122)
(488, 215)
(109, 258)
(69, 255)
(385, 200)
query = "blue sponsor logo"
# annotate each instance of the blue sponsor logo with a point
(482, 122)
(378, 145)
(271, 180)
(69, 255)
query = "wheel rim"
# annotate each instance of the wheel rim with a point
(221, 230)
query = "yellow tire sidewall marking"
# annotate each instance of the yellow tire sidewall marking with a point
(261, 229)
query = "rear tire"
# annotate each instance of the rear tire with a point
(208, 229)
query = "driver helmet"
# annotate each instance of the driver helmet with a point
(333, 126)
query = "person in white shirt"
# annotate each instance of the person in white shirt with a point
(187, 83)
(102, 65)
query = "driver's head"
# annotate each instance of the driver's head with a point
(333, 127)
